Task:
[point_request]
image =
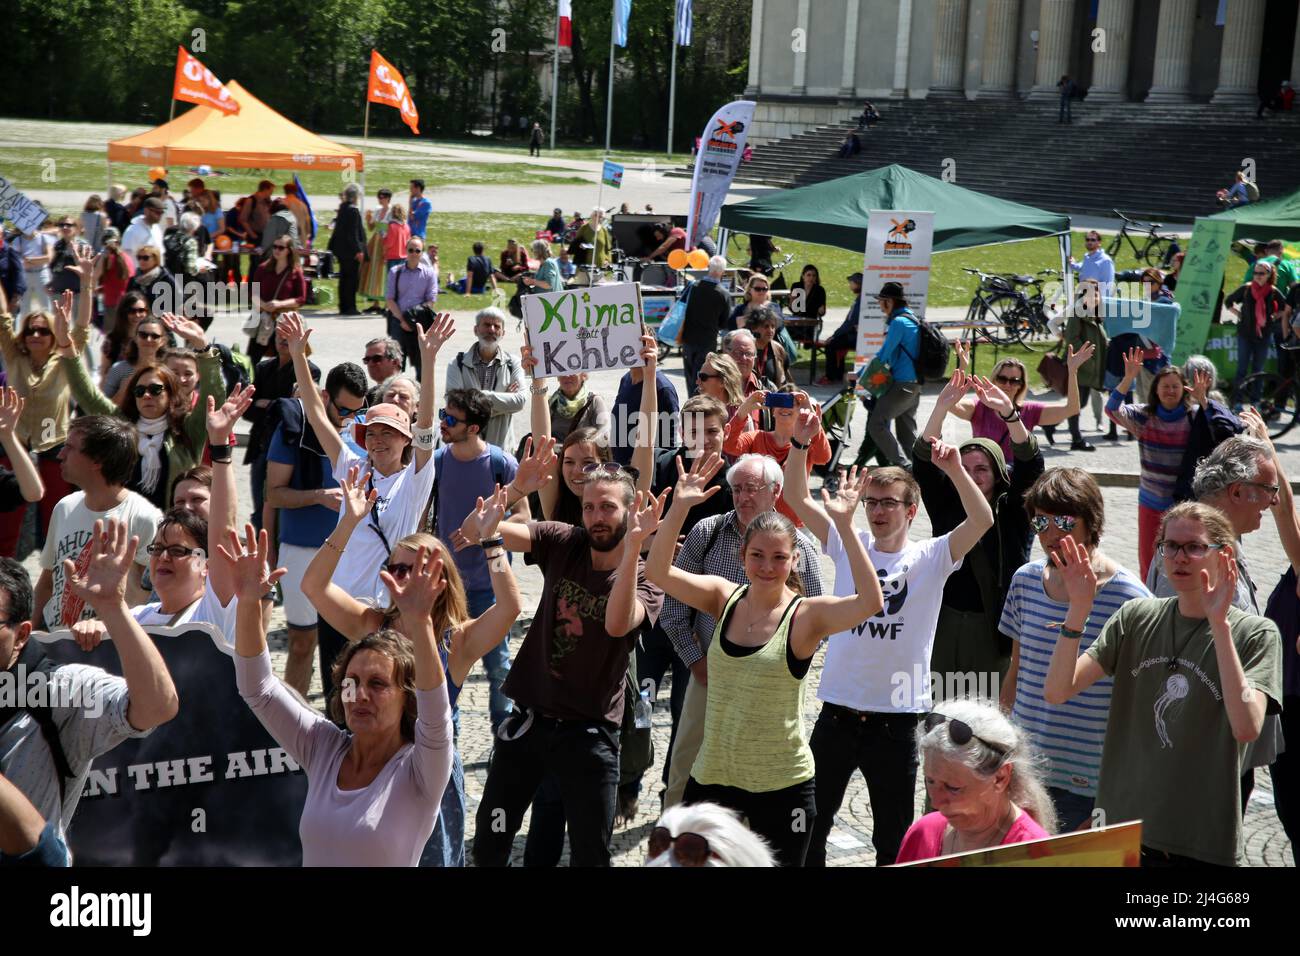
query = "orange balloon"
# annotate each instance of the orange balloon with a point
(699, 259)
(222, 242)
(677, 259)
(157, 173)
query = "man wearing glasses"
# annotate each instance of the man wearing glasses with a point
(1096, 265)
(145, 229)
(713, 546)
(384, 361)
(411, 283)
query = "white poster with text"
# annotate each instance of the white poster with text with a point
(899, 247)
(585, 330)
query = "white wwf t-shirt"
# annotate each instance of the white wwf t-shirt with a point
(883, 664)
(402, 498)
(207, 610)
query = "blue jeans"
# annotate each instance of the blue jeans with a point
(1072, 810)
(496, 661)
(446, 846)
(1251, 356)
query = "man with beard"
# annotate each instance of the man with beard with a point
(567, 678)
(493, 372)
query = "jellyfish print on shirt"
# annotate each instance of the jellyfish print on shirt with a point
(1176, 689)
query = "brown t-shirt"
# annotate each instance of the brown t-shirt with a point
(568, 666)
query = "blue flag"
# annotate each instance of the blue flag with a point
(612, 175)
(622, 10)
(311, 213)
(683, 22)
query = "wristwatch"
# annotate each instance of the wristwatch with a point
(798, 444)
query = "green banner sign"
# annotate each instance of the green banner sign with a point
(1199, 282)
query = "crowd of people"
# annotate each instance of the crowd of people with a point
(1034, 696)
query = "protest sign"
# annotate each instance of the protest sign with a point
(208, 788)
(1118, 845)
(25, 214)
(585, 330)
(1199, 282)
(611, 174)
(899, 246)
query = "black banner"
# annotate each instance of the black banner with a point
(208, 788)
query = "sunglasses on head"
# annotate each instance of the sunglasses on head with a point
(959, 732)
(156, 389)
(690, 849)
(608, 467)
(1064, 523)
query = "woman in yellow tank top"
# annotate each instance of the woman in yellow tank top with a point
(755, 757)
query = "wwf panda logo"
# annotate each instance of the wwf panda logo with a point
(895, 592)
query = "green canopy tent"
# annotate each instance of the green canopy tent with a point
(835, 213)
(1271, 219)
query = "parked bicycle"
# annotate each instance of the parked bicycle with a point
(1277, 404)
(1158, 250)
(1003, 314)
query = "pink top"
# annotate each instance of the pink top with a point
(924, 839)
(986, 423)
(384, 824)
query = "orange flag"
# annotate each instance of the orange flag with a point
(387, 86)
(195, 83)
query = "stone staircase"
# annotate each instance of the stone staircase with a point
(1147, 160)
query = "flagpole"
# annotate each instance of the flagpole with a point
(609, 96)
(672, 90)
(555, 74)
(365, 139)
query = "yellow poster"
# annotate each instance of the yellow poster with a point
(1118, 845)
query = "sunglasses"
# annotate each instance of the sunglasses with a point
(1193, 549)
(141, 310)
(758, 288)
(1007, 380)
(345, 412)
(609, 467)
(149, 336)
(154, 390)
(959, 732)
(39, 330)
(400, 572)
(690, 849)
(277, 245)
(413, 249)
(450, 420)
(1065, 523)
(67, 225)
(705, 376)
(174, 551)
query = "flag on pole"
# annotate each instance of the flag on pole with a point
(388, 86)
(622, 10)
(611, 174)
(565, 13)
(683, 22)
(194, 83)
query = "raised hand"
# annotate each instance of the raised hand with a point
(11, 410)
(649, 353)
(1076, 360)
(1200, 387)
(415, 596)
(528, 361)
(993, 397)
(86, 261)
(1132, 364)
(693, 486)
(486, 516)
(644, 520)
(751, 403)
(440, 330)
(295, 332)
(251, 576)
(537, 467)
(62, 318)
(103, 582)
(807, 424)
(839, 507)
(1256, 427)
(944, 456)
(1218, 599)
(1076, 572)
(221, 421)
(356, 502)
(958, 385)
(187, 329)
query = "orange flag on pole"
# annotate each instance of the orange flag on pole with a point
(195, 83)
(387, 86)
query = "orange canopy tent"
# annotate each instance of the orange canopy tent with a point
(257, 137)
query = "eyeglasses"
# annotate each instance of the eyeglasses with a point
(751, 488)
(1006, 380)
(411, 249)
(38, 330)
(1193, 549)
(399, 571)
(1065, 523)
(690, 849)
(372, 359)
(156, 389)
(888, 504)
(175, 551)
(450, 420)
(279, 245)
(609, 467)
(959, 732)
(138, 311)
(345, 412)
(1092, 238)
(149, 336)
(1271, 489)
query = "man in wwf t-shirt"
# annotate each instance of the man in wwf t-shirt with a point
(567, 678)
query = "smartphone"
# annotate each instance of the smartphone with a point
(779, 400)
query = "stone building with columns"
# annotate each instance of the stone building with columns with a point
(813, 62)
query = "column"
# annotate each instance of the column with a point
(849, 75)
(1110, 68)
(1055, 34)
(902, 49)
(1171, 80)
(755, 47)
(948, 74)
(801, 56)
(1001, 40)
(1239, 59)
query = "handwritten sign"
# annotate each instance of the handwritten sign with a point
(585, 330)
(26, 215)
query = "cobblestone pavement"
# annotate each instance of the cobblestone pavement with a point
(335, 340)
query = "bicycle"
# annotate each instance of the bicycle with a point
(1157, 252)
(1278, 404)
(1004, 315)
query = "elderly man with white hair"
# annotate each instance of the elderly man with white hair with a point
(713, 547)
(496, 373)
(707, 307)
(705, 834)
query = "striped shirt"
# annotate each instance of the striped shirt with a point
(1069, 735)
(1161, 445)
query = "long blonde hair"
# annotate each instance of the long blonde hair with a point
(451, 607)
(726, 366)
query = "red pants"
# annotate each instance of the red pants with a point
(1148, 530)
(11, 523)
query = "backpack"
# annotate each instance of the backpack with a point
(313, 463)
(498, 475)
(1252, 191)
(236, 367)
(34, 661)
(932, 364)
(174, 251)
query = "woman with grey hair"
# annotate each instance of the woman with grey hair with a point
(547, 277)
(1213, 423)
(983, 779)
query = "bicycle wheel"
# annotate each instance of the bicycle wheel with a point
(1031, 323)
(1156, 252)
(1001, 318)
(1277, 400)
(1113, 248)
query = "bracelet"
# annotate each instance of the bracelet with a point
(221, 454)
(331, 544)
(538, 389)
(797, 444)
(1013, 417)
(498, 541)
(1071, 633)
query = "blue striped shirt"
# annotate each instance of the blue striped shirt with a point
(1069, 735)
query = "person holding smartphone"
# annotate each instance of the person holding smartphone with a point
(785, 403)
